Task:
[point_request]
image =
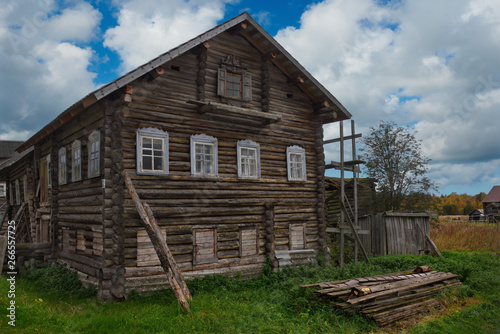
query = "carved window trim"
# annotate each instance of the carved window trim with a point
(76, 161)
(153, 134)
(296, 163)
(232, 66)
(63, 170)
(205, 141)
(250, 145)
(94, 157)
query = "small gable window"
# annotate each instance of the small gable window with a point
(203, 155)
(234, 81)
(62, 165)
(248, 153)
(94, 153)
(296, 161)
(152, 151)
(76, 161)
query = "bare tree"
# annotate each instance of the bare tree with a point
(393, 156)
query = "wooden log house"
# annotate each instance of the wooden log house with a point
(221, 136)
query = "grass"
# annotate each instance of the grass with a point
(459, 235)
(272, 303)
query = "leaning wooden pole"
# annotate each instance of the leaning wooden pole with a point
(160, 245)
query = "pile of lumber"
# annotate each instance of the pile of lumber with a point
(391, 297)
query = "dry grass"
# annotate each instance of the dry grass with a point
(452, 233)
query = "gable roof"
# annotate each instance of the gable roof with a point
(250, 30)
(7, 148)
(493, 196)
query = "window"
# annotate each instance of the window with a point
(233, 85)
(3, 190)
(76, 161)
(203, 155)
(152, 151)
(205, 246)
(11, 194)
(297, 236)
(25, 188)
(248, 153)
(94, 148)
(296, 161)
(234, 81)
(62, 166)
(18, 192)
(249, 244)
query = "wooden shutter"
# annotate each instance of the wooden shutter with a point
(221, 82)
(297, 236)
(205, 246)
(249, 242)
(247, 87)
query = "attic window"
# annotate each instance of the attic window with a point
(175, 68)
(234, 81)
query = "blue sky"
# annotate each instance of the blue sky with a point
(421, 63)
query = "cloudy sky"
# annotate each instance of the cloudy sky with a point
(432, 65)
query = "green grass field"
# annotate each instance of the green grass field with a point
(51, 301)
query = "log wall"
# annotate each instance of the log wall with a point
(182, 203)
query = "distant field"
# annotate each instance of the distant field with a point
(458, 234)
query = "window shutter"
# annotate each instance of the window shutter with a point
(221, 86)
(297, 236)
(205, 243)
(247, 87)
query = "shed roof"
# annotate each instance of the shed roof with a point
(251, 31)
(493, 196)
(7, 148)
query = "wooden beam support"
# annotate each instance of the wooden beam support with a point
(238, 28)
(336, 140)
(160, 245)
(270, 55)
(201, 48)
(296, 81)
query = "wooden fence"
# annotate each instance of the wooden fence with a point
(395, 232)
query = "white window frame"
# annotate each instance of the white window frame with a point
(203, 139)
(3, 189)
(294, 151)
(251, 145)
(25, 188)
(76, 161)
(63, 168)
(18, 192)
(152, 133)
(94, 148)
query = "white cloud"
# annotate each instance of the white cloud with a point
(148, 28)
(422, 62)
(43, 70)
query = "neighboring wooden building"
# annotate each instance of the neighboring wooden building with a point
(491, 204)
(477, 215)
(7, 149)
(222, 136)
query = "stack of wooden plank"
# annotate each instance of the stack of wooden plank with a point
(391, 297)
